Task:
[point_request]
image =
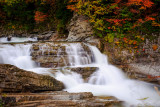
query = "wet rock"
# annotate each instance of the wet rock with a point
(96, 42)
(86, 72)
(55, 54)
(13, 79)
(58, 99)
(9, 38)
(142, 72)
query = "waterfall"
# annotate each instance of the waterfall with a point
(18, 55)
(108, 80)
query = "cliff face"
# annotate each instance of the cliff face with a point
(79, 29)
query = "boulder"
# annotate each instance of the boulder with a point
(86, 72)
(79, 28)
(13, 79)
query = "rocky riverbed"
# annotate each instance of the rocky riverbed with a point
(57, 99)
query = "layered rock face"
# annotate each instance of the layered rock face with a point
(58, 99)
(142, 64)
(13, 79)
(58, 54)
(79, 29)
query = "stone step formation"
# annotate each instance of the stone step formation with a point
(13, 79)
(53, 55)
(58, 99)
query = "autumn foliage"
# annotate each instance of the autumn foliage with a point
(106, 16)
(39, 16)
(118, 15)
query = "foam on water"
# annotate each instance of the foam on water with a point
(106, 81)
(16, 39)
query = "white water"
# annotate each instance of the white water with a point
(107, 81)
(16, 39)
(19, 55)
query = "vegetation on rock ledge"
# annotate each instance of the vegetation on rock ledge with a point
(124, 20)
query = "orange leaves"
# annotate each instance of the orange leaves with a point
(148, 18)
(118, 22)
(140, 21)
(73, 1)
(40, 16)
(72, 7)
(155, 23)
(147, 3)
(154, 47)
(143, 3)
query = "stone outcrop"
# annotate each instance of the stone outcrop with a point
(58, 99)
(79, 29)
(86, 72)
(13, 79)
(140, 72)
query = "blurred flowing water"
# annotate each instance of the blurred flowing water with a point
(108, 80)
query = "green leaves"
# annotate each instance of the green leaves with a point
(144, 98)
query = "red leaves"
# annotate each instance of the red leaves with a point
(140, 20)
(148, 18)
(109, 27)
(72, 7)
(117, 1)
(118, 22)
(40, 16)
(143, 3)
(73, 1)
(134, 11)
(147, 3)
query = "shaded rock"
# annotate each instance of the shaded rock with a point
(45, 35)
(86, 72)
(9, 38)
(58, 99)
(142, 72)
(13, 79)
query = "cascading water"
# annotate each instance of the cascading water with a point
(106, 81)
(18, 55)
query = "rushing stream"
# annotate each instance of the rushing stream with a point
(106, 81)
